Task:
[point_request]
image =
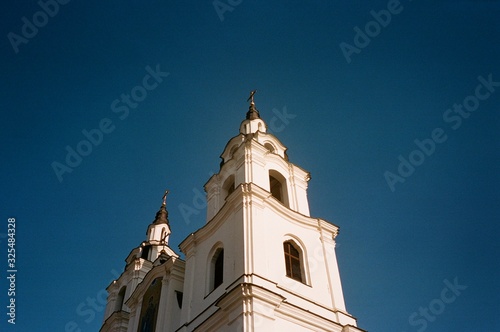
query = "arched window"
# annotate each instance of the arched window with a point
(233, 150)
(163, 238)
(216, 269)
(120, 298)
(149, 309)
(269, 147)
(145, 251)
(293, 261)
(228, 186)
(277, 187)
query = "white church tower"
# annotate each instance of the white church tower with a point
(260, 263)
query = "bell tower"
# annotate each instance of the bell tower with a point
(148, 294)
(261, 262)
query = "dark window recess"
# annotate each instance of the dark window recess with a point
(292, 262)
(145, 252)
(229, 185)
(275, 188)
(179, 296)
(219, 269)
(230, 190)
(269, 147)
(120, 298)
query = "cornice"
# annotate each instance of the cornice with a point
(247, 194)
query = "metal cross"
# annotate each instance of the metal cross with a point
(165, 197)
(250, 99)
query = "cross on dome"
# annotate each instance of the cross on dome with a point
(164, 198)
(250, 99)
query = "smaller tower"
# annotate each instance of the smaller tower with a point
(149, 291)
(157, 234)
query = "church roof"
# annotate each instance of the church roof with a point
(162, 214)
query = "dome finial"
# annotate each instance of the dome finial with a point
(165, 198)
(162, 214)
(252, 111)
(250, 99)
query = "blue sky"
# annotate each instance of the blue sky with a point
(350, 118)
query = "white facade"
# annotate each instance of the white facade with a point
(260, 263)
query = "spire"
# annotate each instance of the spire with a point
(157, 235)
(252, 113)
(162, 214)
(252, 123)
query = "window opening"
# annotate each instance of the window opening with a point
(219, 269)
(292, 261)
(276, 188)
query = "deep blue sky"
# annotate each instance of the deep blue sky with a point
(351, 122)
